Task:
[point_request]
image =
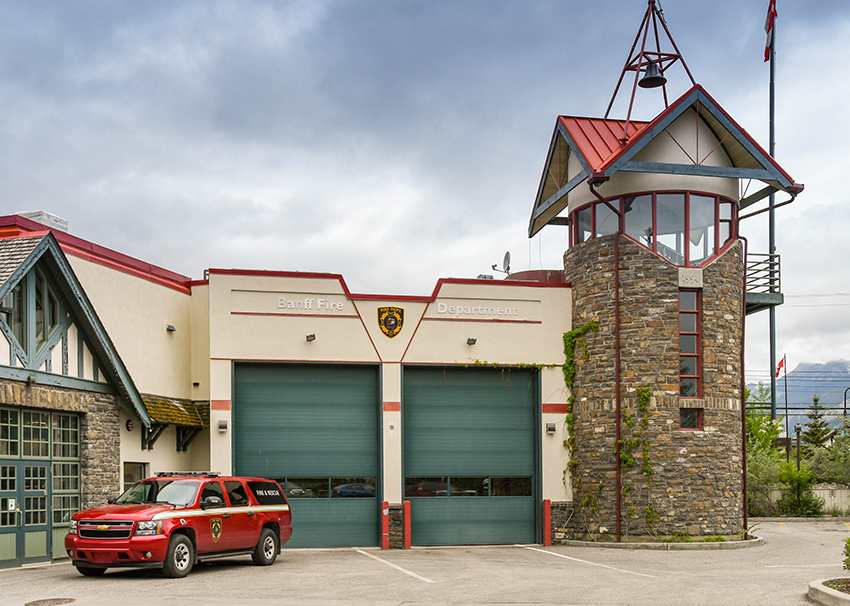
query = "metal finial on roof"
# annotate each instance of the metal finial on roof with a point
(651, 63)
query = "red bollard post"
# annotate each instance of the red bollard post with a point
(407, 524)
(547, 522)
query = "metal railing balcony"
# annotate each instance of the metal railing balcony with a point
(764, 284)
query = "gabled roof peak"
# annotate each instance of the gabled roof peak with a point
(604, 146)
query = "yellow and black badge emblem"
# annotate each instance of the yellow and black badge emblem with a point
(215, 529)
(390, 319)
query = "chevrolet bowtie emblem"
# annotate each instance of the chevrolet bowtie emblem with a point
(102, 527)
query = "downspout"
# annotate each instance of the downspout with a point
(744, 388)
(595, 179)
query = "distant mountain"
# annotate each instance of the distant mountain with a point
(829, 380)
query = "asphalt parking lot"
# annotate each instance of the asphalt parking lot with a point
(775, 574)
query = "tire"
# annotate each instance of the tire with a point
(180, 557)
(267, 548)
(90, 572)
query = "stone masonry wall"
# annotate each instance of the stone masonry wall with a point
(99, 432)
(696, 476)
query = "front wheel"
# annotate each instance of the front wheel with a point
(90, 572)
(180, 557)
(266, 551)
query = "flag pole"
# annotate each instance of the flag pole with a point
(771, 219)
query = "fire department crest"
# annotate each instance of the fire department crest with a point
(390, 319)
(215, 529)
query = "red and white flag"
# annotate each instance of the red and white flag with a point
(768, 28)
(781, 364)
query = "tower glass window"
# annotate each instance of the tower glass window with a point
(688, 229)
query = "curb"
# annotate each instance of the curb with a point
(759, 520)
(822, 594)
(753, 542)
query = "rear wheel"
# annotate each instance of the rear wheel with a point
(180, 557)
(90, 572)
(267, 548)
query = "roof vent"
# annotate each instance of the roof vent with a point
(46, 219)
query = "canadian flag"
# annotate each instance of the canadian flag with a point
(781, 364)
(768, 28)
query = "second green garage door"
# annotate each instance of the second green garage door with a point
(313, 428)
(470, 455)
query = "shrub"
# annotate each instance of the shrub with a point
(798, 499)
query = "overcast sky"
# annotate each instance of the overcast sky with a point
(396, 142)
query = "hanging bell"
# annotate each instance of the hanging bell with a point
(652, 78)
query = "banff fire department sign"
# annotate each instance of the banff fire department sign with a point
(390, 319)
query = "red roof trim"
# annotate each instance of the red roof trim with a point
(371, 297)
(83, 249)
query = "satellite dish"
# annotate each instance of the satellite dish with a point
(506, 263)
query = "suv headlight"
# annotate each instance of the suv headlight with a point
(72, 529)
(148, 527)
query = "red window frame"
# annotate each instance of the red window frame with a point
(619, 203)
(690, 318)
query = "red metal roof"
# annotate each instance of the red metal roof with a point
(599, 139)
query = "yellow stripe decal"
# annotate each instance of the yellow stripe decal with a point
(193, 513)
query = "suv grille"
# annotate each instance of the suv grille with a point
(105, 529)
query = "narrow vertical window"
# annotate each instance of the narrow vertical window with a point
(690, 346)
(584, 225)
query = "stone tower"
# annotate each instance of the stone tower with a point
(657, 269)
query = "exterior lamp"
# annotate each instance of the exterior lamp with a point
(170, 327)
(471, 341)
(311, 336)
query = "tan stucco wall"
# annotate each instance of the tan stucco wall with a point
(267, 317)
(164, 456)
(135, 313)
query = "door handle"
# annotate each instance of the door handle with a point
(227, 515)
(250, 513)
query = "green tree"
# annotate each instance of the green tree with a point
(832, 463)
(798, 498)
(764, 461)
(763, 467)
(817, 431)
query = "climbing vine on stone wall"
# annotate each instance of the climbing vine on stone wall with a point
(630, 456)
(573, 339)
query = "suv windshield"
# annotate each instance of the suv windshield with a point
(171, 492)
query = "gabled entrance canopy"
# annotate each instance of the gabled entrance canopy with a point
(18, 257)
(603, 147)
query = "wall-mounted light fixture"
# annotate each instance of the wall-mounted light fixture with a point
(311, 336)
(222, 425)
(170, 327)
(550, 428)
(471, 341)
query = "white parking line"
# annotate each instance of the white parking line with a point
(558, 555)
(391, 565)
(803, 566)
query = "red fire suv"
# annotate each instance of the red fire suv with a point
(174, 520)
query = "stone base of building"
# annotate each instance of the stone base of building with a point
(396, 515)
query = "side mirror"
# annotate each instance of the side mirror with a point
(111, 500)
(211, 502)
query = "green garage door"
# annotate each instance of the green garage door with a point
(469, 455)
(313, 428)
